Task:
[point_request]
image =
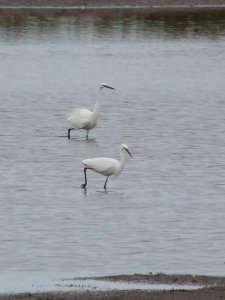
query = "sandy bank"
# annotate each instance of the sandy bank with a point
(213, 289)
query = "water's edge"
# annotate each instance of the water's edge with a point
(104, 4)
(144, 282)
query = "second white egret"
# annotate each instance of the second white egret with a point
(106, 166)
(83, 118)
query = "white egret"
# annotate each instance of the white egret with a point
(106, 166)
(83, 118)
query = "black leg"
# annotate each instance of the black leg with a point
(85, 176)
(87, 134)
(69, 132)
(106, 182)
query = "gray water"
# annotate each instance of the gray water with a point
(165, 212)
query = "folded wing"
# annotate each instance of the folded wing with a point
(102, 165)
(80, 118)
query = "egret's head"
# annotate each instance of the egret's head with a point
(103, 85)
(124, 147)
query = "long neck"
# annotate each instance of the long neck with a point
(122, 160)
(96, 110)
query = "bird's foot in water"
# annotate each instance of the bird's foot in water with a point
(68, 135)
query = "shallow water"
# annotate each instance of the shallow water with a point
(165, 212)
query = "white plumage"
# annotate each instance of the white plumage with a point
(83, 118)
(103, 165)
(106, 166)
(80, 118)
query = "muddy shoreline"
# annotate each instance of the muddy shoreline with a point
(213, 288)
(151, 5)
(106, 7)
(110, 3)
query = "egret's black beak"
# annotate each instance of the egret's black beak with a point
(109, 87)
(128, 152)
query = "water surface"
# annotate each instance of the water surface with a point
(165, 212)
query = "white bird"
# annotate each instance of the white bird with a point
(106, 166)
(83, 118)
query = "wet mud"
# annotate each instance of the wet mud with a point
(213, 288)
(111, 3)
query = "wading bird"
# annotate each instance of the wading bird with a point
(106, 166)
(83, 118)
